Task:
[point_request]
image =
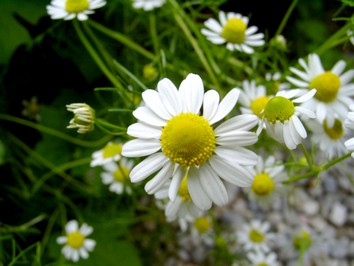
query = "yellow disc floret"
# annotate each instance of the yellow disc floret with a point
(75, 239)
(202, 224)
(111, 150)
(234, 31)
(183, 191)
(262, 184)
(279, 109)
(121, 174)
(258, 104)
(256, 236)
(188, 139)
(334, 132)
(76, 6)
(327, 86)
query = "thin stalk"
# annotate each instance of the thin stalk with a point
(286, 18)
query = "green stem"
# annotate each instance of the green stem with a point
(286, 18)
(153, 32)
(95, 56)
(306, 154)
(53, 132)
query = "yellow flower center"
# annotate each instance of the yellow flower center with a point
(327, 86)
(75, 239)
(76, 6)
(279, 108)
(302, 241)
(202, 224)
(258, 104)
(111, 150)
(262, 264)
(234, 31)
(335, 132)
(188, 139)
(121, 174)
(183, 190)
(256, 236)
(262, 184)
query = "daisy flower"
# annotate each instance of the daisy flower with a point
(281, 117)
(255, 236)
(180, 142)
(109, 153)
(84, 117)
(70, 9)
(148, 5)
(334, 90)
(349, 123)
(262, 259)
(234, 31)
(329, 139)
(267, 180)
(77, 245)
(253, 99)
(116, 175)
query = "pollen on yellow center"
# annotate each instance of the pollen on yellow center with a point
(336, 131)
(188, 139)
(262, 184)
(234, 31)
(111, 149)
(121, 174)
(256, 236)
(279, 109)
(75, 239)
(76, 6)
(327, 85)
(258, 104)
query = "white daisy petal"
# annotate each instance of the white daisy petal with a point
(192, 92)
(210, 104)
(225, 106)
(147, 116)
(197, 193)
(175, 183)
(159, 179)
(140, 147)
(169, 96)
(144, 131)
(153, 101)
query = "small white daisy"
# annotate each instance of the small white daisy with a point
(109, 153)
(77, 245)
(253, 99)
(334, 90)
(181, 142)
(255, 236)
(84, 117)
(70, 9)
(148, 5)
(116, 175)
(281, 117)
(234, 31)
(329, 139)
(262, 259)
(267, 181)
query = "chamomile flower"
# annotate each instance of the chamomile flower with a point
(329, 139)
(70, 9)
(180, 142)
(148, 5)
(77, 245)
(84, 117)
(253, 99)
(255, 236)
(334, 90)
(262, 259)
(234, 31)
(267, 180)
(281, 117)
(109, 153)
(116, 175)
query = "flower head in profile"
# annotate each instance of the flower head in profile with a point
(268, 176)
(281, 116)
(263, 259)
(76, 243)
(255, 236)
(334, 90)
(175, 130)
(234, 31)
(70, 9)
(84, 117)
(329, 139)
(116, 175)
(111, 152)
(148, 5)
